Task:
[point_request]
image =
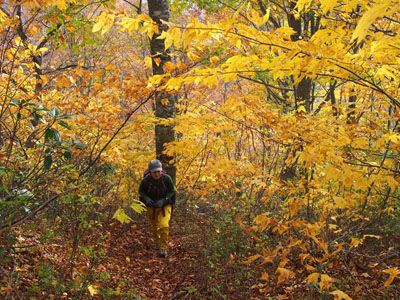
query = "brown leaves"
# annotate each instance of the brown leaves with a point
(251, 259)
(6, 290)
(284, 275)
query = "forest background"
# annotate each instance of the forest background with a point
(281, 119)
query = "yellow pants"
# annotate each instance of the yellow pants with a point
(159, 220)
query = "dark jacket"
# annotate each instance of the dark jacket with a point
(157, 193)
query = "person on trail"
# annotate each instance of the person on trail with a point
(157, 192)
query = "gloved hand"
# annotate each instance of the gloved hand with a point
(149, 202)
(161, 203)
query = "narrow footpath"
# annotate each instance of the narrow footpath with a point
(143, 271)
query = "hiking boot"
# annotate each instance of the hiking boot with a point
(163, 253)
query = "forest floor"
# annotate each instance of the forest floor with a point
(129, 268)
(132, 256)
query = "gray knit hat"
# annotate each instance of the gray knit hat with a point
(155, 165)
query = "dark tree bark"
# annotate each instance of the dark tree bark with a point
(351, 114)
(159, 10)
(37, 59)
(332, 88)
(302, 91)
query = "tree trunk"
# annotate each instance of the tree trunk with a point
(159, 10)
(302, 91)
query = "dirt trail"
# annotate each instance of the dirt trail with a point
(132, 259)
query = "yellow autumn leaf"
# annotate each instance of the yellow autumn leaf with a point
(99, 24)
(266, 16)
(104, 23)
(251, 259)
(341, 202)
(93, 290)
(339, 295)
(138, 206)
(295, 205)
(121, 216)
(284, 275)
(301, 108)
(302, 5)
(372, 236)
(214, 59)
(169, 67)
(309, 267)
(176, 36)
(355, 242)
(393, 272)
(326, 282)
(157, 61)
(263, 222)
(61, 4)
(374, 12)
(314, 277)
(327, 5)
(168, 42)
(255, 17)
(3, 16)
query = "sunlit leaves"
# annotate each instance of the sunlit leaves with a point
(138, 207)
(326, 282)
(328, 5)
(104, 22)
(121, 216)
(340, 295)
(377, 10)
(93, 290)
(142, 23)
(393, 273)
(314, 277)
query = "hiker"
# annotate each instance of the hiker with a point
(157, 192)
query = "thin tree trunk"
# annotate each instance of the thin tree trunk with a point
(302, 91)
(159, 10)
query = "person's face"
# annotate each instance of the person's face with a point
(156, 175)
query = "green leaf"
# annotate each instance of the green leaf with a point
(15, 102)
(121, 216)
(48, 160)
(52, 134)
(3, 171)
(79, 145)
(35, 121)
(67, 154)
(65, 125)
(65, 116)
(54, 112)
(36, 118)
